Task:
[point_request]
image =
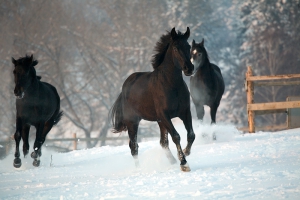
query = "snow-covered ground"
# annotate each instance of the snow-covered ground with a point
(265, 165)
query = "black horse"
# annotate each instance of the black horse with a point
(207, 85)
(38, 104)
(159, 96)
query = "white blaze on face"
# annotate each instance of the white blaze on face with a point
(192, 59)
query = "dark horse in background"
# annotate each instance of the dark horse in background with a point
(38, 104)
(159, 96)
(207, 85)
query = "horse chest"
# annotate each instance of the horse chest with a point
(202, 89)
(30, 111)
(27, 112)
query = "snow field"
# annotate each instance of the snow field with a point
(264, 165)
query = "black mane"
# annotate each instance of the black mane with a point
(24, 61)
(205, 53)
(161, 48)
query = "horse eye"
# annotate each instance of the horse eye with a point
(14, 72)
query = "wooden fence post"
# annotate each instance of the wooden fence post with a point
(250, 94)
(74, 142)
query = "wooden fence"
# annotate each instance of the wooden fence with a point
(270, 107)
(76, 140)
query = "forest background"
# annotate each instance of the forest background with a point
(87, 48)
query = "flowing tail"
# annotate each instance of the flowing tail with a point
(58, 117)
(116, 115)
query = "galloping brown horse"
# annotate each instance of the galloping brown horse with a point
(159, 96)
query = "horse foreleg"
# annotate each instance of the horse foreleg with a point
(187, 120)
(164, 142)
(200, 111)
(176, 139)
(39, 140)
(25, 134)
(17, 161)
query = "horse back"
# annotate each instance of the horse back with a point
(219, 79)
(49, 91)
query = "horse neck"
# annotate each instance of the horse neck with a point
(34, 85)
(205, 67)
(168, 68)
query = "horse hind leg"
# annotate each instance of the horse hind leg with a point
(164, 142)
(133, 145)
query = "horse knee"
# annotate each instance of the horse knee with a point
(17, 136)
(176, 138)
(191, 137)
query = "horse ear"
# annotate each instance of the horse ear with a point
(173, 33)
(31, 58)
(187, 33)
(193, 43)
(34, 63)
(13, 61)
(202, 43)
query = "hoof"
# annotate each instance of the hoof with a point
(186, 152)
(25, 153)
(33, 155)
(185, 168)
(17, 163)
(36, 163)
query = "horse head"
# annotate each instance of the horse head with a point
(24, 73)
(181, 51)
(198, 54)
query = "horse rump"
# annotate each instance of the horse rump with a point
(116, 115)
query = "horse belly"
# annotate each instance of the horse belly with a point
(138, 98)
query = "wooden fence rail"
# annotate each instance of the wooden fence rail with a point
(76, 140)
(270, 107)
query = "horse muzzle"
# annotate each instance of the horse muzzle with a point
(20, 95)
(188, 69)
